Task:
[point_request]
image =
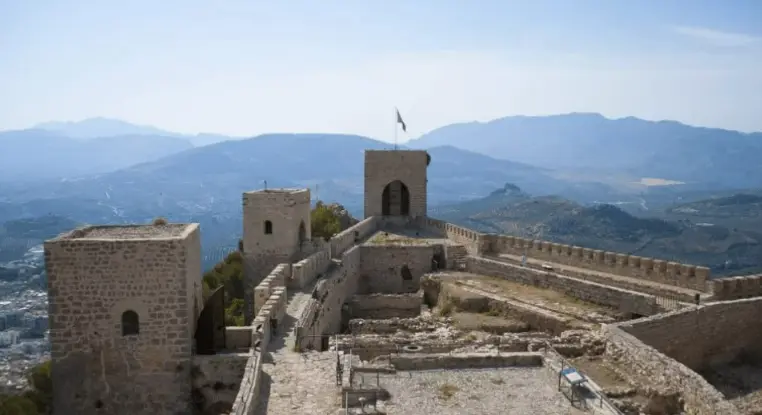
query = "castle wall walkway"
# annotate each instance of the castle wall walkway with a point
(628, 283)
(296, 383)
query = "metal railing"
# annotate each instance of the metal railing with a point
(603, 400)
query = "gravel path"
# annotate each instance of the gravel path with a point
(505, 391)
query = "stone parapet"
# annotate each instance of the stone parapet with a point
(734, 288)
(656, 270)
(306, 270)
(353, 235)
(665, 374)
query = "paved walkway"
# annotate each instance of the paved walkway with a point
(297, 383)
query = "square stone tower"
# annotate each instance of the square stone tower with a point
(395, 182)
(276, 222)
(123, 302)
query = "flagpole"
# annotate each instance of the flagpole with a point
(396, 121)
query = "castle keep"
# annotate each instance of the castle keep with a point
(399, 314)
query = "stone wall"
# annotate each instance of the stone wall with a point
(473, 241)
(381, 306)
(703, 336)
(350, 236)
(419, 361)
(265, 289)
(99, 278)
(246, 399)
(382, 267)
(323, 314)
(624, 300)
(274, 307)
(385, 166)
(217, 379)
(734, 288)
(645, 364)
(306, 270)
(656, 270)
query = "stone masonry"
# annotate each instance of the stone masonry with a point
(122, 309)
(276, 222)
(383, 167)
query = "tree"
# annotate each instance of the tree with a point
(159, 222)
(35, 401)
(325, 222)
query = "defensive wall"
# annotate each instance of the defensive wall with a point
(633, 266)
(666, 351)
(733, 288)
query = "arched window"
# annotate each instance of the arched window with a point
(268, 227)
(406, 274)
(130, 323)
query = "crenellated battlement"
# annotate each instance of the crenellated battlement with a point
(733, 288)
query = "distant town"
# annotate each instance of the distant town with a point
(23, 319)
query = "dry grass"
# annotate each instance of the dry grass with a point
(447, 391)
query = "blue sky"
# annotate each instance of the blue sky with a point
(246, 67)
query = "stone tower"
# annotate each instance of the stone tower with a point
(395, 182)
(123, 302)
(276, 222)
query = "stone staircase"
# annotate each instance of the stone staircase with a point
(456, 257)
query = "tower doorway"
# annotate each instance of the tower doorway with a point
(395, 200)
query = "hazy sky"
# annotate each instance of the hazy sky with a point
(245, 67)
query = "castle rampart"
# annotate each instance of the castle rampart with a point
(733, 288)
(353, 235)
(626, 301)
(666, 351)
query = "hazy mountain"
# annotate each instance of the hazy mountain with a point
(101, 127)
(725, 249)
(40, 154)
(105, 127)
(204, 184)
(597, 145)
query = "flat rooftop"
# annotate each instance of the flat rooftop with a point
(130, 232)
(281, 190)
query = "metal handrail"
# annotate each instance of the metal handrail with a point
(601, 396)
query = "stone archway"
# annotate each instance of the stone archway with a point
(395, 199)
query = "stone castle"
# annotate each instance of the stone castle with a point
(399, 314)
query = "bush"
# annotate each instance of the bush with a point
(35, 401)
(159, 222)
(325, 222)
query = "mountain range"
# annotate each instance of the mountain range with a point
(107, 171)
(595, 146)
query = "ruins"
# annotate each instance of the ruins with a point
(399, 314)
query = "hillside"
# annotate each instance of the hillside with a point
(597, 146)
(725, 250)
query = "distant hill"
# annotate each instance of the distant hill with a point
(726, 250)
(27, 155)
(106, 127)
(593, 143)
(101, 127)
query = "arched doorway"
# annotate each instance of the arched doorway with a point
(302, 232)
(395, 200)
